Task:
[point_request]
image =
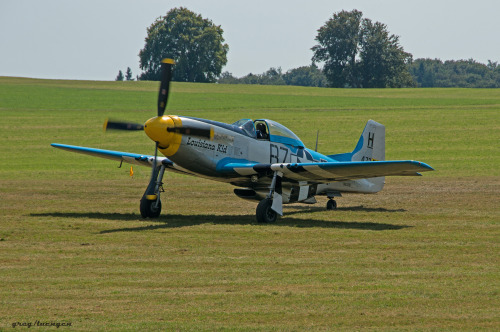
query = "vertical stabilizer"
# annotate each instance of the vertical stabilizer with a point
(371, 147)
(371, 144)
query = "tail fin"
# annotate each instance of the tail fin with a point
(370, 147)
(371, 144)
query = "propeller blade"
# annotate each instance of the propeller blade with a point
(166, 77)
(120, 125)
(201, 132)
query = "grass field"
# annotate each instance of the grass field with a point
(423, 254)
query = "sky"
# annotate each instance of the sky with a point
(94, 39)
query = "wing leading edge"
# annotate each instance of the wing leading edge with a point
(131, 158)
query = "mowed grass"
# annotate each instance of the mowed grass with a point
(423, 254)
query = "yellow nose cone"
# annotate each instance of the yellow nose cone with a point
(156, 129)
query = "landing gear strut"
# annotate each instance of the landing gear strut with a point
(150, 202)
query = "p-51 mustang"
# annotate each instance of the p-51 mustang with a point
(264, 159)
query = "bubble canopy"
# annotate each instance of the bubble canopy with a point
(276, 131)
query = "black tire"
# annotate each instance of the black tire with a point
(264, 212)
(331, 205)
(148, 209)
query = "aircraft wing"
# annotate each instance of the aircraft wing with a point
(131, 158)
(332, 171)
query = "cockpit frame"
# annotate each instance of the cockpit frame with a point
(266, 129)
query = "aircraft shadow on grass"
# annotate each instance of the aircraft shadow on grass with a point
(359, 208)
(179, 221)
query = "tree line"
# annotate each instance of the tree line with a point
(430, 73)
(351, 52)
(302, 76)
(425, 73)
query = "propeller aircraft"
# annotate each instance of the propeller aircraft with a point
(265, 160)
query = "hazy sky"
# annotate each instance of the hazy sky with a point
(93, 39)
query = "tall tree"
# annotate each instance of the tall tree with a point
(338, 45)
(383, 62)
(195, 43)
(128, 74)
(120, 76)
(359, 53)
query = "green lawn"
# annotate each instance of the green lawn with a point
(421, 255)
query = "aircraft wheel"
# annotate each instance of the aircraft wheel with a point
(331, 204)
(264, 212)
(148, 209)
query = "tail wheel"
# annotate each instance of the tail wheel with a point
(331, 204)
(264, 212)
(149, 209)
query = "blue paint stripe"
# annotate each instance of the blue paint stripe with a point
(285, 140)
(229, 164)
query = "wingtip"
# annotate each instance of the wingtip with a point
(430, 168)
(423, 165)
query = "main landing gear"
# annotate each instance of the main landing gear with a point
(150, 202)
(264, 212)
(269, 208)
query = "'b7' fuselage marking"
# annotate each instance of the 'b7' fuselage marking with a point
(274, 155)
